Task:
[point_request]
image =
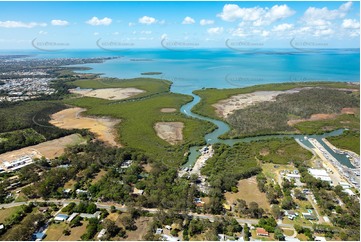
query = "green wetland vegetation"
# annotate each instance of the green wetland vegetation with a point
(211, 96)
(271, 117)
(81, 164)
(138, 116)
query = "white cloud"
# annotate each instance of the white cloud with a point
(232, 12)
(19, 24)
(164, 36)
(265, 33)
(282, 27)
(350, 24)
(162, 21)
(206, 22)
(130, 24)
(147, 20)
(324, 32)
(96, 21)
(95, 33)
(216, 30)
(355, 33)
(322, 16)
(43, 32)
(146, 32)
(58, 22)
(346, 6)
(238, 32)
(259, 16)
(188, 20)
(278, 12)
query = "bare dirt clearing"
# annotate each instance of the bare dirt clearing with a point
(314, 117)
(49, 149)
(172, 132)
(108, 93)
(226, 107)
(102, 127)
(168, 110)
(248, 191)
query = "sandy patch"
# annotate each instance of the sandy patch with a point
(226, 107)
(168, 110)
(349, 110)
(147, 168)
(71, 119)
(170, 131)
(314, 117)
(248, 191)
(108, 93)
(142, 228)
(49, 149)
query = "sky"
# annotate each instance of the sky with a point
(112, 25)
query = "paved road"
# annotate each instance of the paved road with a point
(150, 210)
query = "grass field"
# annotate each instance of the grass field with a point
(138, 119)
(288, 232)
(248, 191)
(6, 213)
(302, 237)
(212, 96)
(75, 233)
(98, 176)
(55, 231)
(273, 172)
(348, 141)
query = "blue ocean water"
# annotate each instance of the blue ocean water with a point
(223, 68)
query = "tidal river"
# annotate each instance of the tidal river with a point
(222, 128)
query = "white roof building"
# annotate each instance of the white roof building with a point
(101, 233)
(72, 217)
(320, 174)
(349, 192)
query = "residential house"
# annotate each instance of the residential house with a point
(262, 232)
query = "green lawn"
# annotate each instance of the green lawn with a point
(6, 213)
